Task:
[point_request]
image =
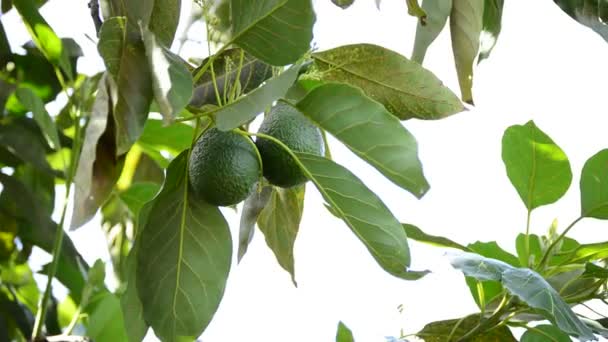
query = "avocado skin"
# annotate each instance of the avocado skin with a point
(223, 168)
(297, 132)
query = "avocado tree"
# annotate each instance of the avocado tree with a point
(157, 144)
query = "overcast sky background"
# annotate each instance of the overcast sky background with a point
(545, 67)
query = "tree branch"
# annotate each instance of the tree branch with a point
(94, 7)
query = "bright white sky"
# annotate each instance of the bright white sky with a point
(545, 67)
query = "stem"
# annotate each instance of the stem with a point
(255, 148)
(491, 321)
(545, 257)
(454, 328)
(94, 7)
(199, 114)
(74, 321)
(527, 238)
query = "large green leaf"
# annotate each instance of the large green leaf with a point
(183, 259)
(437, 12)
(256, 102)
(24, 140)
(252, 207)
(278, 32)
(280, 222)
(417, 234)
(98, 166)
(594, 193)
(404, 87)
(532, 253)
(344, 334)
(138, 194)
(348, 114)
(591, 13)
(492, 25)
(132, 91)
(34, 104)
(164, 20)
(174, 138)
(537, 167)
(43, 35)
(106, 321)
(365, 214)
(528, 286)
(466, 24)
(441, 331)
(250, 75)
(545, 333)
(172, 81)
(589, 252)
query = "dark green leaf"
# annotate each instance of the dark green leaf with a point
(139, 194)
(492, 25)
(405, 88)
(441, 331)
(251, 211)
(174, 138)
(22, 317)
(22, 138)
(594, 194)
(348, 114)
(343, 4)
(171, 79)
(537, 167)
(39, 183)
(164, 20)
(595, 271)
(43, 35)
(5, 48)
(417, 234)
(106, 321)
(125, 58)
(278, 32)
(591, 13)
(135, 11)
(252, 73)
(344, 334)
(183, 259)
(466, 24)
(98, 167)
(280, 222)
(437, 12)
(366, 215)
(545, 333)
(34, 104)
(248, 107)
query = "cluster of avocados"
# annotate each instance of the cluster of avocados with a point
(224, 167)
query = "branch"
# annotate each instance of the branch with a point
(94, 6)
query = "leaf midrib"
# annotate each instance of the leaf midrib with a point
(255, 22)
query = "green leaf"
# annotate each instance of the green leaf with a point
(183, 259)
(164, 20)
(5, 48)
(249, 106)
(594, 194)
(535, 253)
(251, 75)
(278, 32)
(23, 139)
(363, 212)
(42, 117)
(537, 167)
(348, 114)
(466, 25)
(125, 59)
(252, 207)
(492, 25)
(528, 286)
(138, 194)
(174, 138)
(106, 321)
(344, 334)
(437, 12)
(98, 167)
(343, 4)
(405, 88)
(43, 35)
(456, 328)
(131, 306)
(417, 234)
(135, 11)
(279, 221)
(590, 252)
(173, 85)
(545, 333)
(590, 13)
(595, 271)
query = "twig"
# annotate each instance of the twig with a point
(94, 7)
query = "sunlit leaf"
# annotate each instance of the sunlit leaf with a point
(594, 194)
(405, 88)
(174, 138)
(139, 194)
(278, 32)
(348, 114)
(344, 334)
(537, 167)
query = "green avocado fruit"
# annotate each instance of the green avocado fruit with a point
(292, 128)
(224, 167)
